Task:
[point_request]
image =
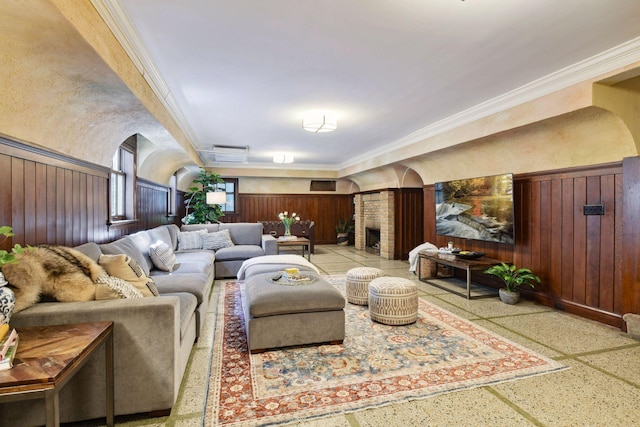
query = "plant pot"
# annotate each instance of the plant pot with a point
(343, 239)
(7, 301)
(509, 297)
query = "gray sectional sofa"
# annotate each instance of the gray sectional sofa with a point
(153, 337)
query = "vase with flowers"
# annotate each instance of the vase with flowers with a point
(287, 221)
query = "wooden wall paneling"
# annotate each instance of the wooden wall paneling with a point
(592, 231)
(40, 199)
(544, 255)
(618, 249)
(579, 241)
(61, 206)
(607, 235)
(535, 229)
(408, 213)
(567, 239)
(631, 236)
(17, 201)
(554, 279)
(5, 195)
(51, 203)
(29, 198)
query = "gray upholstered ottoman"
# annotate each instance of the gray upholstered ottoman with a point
(282, 315)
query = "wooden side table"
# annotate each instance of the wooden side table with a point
(296, 241)
(48, 357)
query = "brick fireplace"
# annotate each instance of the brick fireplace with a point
(375, 219)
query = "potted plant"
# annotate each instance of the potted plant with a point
(196, 200)
(343, 229)
(7, 297)
(513, 277)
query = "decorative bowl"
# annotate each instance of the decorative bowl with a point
(469, 254)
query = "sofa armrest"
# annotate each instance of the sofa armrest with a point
(269, 244)
(146, 350)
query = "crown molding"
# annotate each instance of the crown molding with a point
(116, 19)
(615, 58)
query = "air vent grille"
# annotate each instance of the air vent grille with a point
(225, 154)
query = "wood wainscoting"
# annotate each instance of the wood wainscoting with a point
(579, 257)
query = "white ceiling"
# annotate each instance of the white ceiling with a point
(243, 72)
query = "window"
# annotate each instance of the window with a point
(172, 196)
(230, 186)
(122, 185)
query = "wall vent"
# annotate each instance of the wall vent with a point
(225, 154)
(323, 185)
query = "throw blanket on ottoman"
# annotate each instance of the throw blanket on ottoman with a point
(267, 263)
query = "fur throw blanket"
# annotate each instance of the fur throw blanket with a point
(57, 271)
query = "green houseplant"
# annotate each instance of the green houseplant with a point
(512, 277)
(343, 228)
(198, 211)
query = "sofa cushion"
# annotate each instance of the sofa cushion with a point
(90, 249)
(162, 234)
(190, 240)
(211, 228)
(216, 240)
(201, 257)
(193, 283)
(126, 268)
(173, 232)
(188, 304)
(128, 247)
(162, 255)
(142, 240)
(244, 233)
(238, 252)
(111, 287)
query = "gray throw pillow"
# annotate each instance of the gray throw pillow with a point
(189, 240)
(216, 240)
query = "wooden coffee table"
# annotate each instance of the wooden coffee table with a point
(296, 241)
(48, 357)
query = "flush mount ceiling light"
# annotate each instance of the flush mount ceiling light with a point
(318, 122)
(283, 158)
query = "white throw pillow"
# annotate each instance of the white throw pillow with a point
(189, 240)
(162, 256)
(216, 240)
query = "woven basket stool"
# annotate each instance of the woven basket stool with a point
(393, 300)
(357, 284)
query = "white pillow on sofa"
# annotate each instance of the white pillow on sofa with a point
(216, 240)
(162, 256)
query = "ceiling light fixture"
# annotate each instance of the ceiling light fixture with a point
(283, 158)
(319, 122)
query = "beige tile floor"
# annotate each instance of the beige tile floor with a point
(602, 387)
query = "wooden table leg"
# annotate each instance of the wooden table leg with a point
(52, 407)
(110, 406)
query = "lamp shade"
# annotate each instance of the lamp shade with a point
(319, 122)
(216, 198)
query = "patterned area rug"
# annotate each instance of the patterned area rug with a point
(376, 365)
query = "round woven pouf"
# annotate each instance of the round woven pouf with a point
(393, 301)
(357, 284)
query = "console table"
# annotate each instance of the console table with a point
(467, 265)
(48, 357)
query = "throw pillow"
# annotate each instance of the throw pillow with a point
(216, 240)
(110, 287)
(162, 256)
(126, 268)
(189, 240)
